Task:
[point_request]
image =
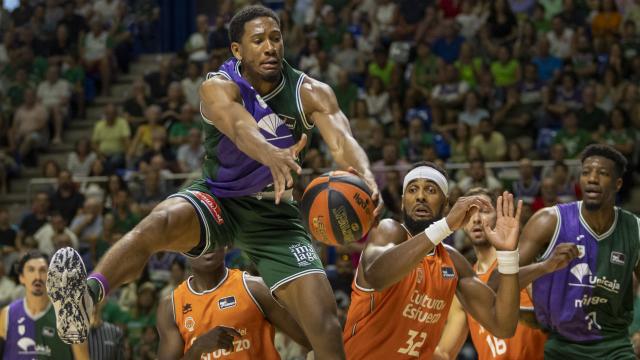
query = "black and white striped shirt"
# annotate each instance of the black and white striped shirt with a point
(106, 342)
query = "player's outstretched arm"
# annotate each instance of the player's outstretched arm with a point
(454, 334)
(221, 105)
(497, 312)
(389, 256)
(319, 100)
(276, 314)
(171, 345)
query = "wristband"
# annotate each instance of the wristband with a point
(438, 231)
(508, 262)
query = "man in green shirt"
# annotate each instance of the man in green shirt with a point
(571, 136)
(346, 93)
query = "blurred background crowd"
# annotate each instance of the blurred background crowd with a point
(99, 113)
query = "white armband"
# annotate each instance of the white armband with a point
(508, 262)
(438, 231)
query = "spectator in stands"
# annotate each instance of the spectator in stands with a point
(106, 8)
(22, 13)
(547, 64)
(472, 113)
(468, 65)
(179, 131)
(7, 286)
(347, 57)
(525, 44)
(143, 314)
(491, 144)
(390, 157)
(196, 45)
(8, 169)
(143, 139)
(108, 237)
(566, 187)
(124, 211)
(50, 169)
(191, 84)
(478, 177)
(378, 101)
(413, 145)
(527, 186)
(29, 131)
(565, 97)
(177, 276)
(362, 124)
(158, 81)
(45, 235)
(447, 47)
(218, 41)
(470, 19)
(630, 40)
(55, 94)
(121, 38)
(506, 69)
(75, 24)
(61, 47)
(448, 94)
(459, 142)
(10, 245)
(571, 136)
(392, 193)
(618, 134)
(171, 104)
(66, 199)
(607, 20)
(327, 71)
(330, 30)
(159, 267)
(382, 67)
(135, 105)
(346, 92)
(111, 137)
(148, 346)
(191, 155)
(151, 192)
(560, 38)
(88, 224)
(308, 56)
(94, 50)
(502, 23)
(425, 69)
(33, 220)
(609, 89)
(590, 116)
(79, 161)
(583, 57)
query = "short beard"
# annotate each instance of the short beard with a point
(592, 206)
(417, 226)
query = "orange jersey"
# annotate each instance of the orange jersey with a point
(228, 304)
(526, 343)
(406, 320)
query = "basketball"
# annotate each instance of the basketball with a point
(337, 208)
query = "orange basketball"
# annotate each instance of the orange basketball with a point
(337, 208)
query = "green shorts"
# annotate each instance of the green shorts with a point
(611, 349)
(271, 235)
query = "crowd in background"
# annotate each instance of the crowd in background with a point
(448, 81)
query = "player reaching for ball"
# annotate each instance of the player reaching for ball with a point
(220, 312)
(527, 342)
(406, 279)
(587, 306)
(257, 111)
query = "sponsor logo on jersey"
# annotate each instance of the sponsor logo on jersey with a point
(189, 324)
(617, 258)
(289, 121)
(581, 251)
(587, 279)
(186, 308)
(448, 273)
(419, 275)
(589, 300)
(211, 204)
(579, 237)
(227, 302)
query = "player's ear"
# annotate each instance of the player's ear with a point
(618, 184)
(235, 50)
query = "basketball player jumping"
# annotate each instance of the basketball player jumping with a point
(406, 279)
(588, 306)
(257, 112)
(223, 313)
(528, 342)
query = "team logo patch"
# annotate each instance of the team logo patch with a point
(419, 275)
(211, 204)
(48, 331)
(227, 302)
(189, 323)
(304, 254)
(448, 273)
(289, 121)
(186, 308)
(617, 258)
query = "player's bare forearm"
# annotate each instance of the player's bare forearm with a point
(506, 307)
(526, 275)
(387, 259)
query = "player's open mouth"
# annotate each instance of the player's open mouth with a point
(477, 231)
(271, 64)
(592, 193)
(422, 211)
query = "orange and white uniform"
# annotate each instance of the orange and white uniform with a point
(527, 343)
(228, 304)
(406, 320)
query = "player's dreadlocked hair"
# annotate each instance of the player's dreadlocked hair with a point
(236, 26)
(607, 152)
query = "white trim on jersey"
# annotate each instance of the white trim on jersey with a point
(306, 123)
(554, 238)
(226, 275)
(593, 233)
(246, 287)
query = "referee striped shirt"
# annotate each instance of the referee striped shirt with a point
(106, 342)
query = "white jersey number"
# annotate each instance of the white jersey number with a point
(413, 346)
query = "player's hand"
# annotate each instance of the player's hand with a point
(281, 162)
(505, 235)
(220, 337)
(464, 209)
(561, 257)
(370, 180)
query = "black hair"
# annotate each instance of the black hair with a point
(482, 191)
(30, 255)
(430, 164)
(236, 25)
(607, 152)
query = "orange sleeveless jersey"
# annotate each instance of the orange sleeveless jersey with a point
(527, 343)
(406, 320)
(229, 304)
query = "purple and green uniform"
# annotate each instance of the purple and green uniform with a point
(232, 200)
(588, 306)
(33, 337)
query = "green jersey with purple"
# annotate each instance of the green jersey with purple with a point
(591, 300)
(33, 337)
(280, 118)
